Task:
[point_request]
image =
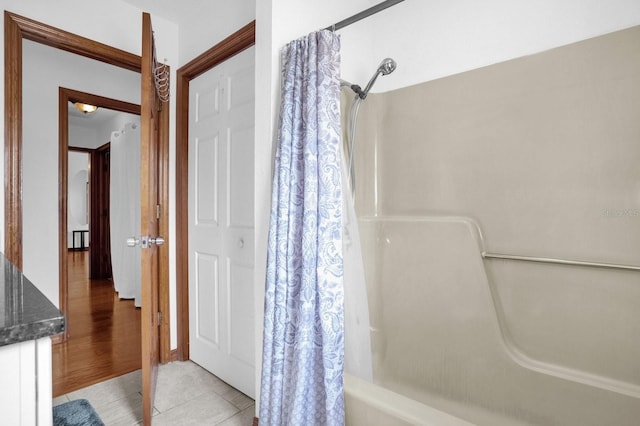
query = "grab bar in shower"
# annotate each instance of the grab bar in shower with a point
(486, 255)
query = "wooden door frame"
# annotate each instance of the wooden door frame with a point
(99, 199)
(237, 42)
(64, 97)
(16, 29)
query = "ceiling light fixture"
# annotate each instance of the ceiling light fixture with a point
(85, 108)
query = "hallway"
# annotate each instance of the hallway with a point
(104, 332)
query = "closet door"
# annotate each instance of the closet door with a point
(221, 221)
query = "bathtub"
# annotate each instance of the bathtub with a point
(458, 339)
(369, 404)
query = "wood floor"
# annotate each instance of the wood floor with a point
(104, 332)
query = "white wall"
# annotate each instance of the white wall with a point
(115, 124)
(93, 134)
(114, 23)
(211, 22)
(83, 135)
(431, 39)
(428, 40)
(77, 178)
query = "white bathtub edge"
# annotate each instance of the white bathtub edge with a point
(398, 406)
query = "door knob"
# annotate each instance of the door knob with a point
(157, 241)
(144, 241)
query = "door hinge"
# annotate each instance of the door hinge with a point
(159, 318)
(158, 209)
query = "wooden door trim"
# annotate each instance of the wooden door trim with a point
(16, 29)
(64, 40)
(237, 42)
(65, 96)
(99, 200)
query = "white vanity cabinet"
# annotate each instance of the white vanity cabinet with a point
(25, 393)
(27, 320)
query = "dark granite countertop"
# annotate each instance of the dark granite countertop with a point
(25, 313)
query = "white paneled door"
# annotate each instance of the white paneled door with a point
(221, 221)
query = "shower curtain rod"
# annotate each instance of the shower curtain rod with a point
(364, 14)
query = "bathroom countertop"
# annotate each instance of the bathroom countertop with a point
(25, 313)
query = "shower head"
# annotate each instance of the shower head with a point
(386, 67)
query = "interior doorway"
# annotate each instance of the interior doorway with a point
(103, 331)
(98, 211)
(232, 45)
(221, 221)
(20, 30)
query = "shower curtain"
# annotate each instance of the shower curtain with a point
(357, 335)
(124, 211)
(303, 342)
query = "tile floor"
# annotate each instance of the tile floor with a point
(186, 394)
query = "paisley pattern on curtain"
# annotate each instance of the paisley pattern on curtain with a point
(303, 344)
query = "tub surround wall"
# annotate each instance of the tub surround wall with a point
(541, 152)
(438, 338)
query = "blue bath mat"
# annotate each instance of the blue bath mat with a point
(76, 413)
